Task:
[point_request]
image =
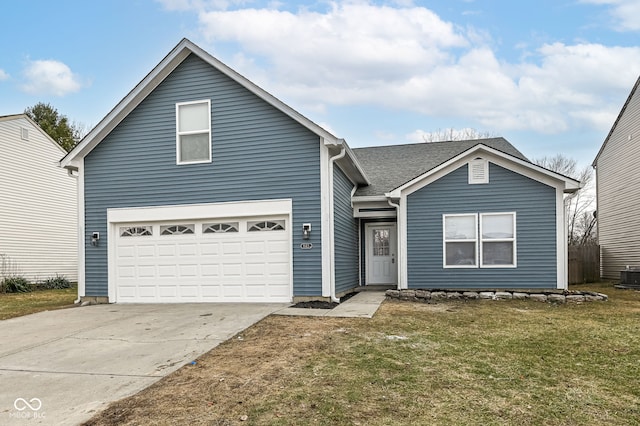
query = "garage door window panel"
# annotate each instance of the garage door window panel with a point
(219, 228)
(177, 229)
(265, 225)
(136, 231)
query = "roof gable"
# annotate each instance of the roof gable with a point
(389, 167)
(615, 123)
(505, 160)
(35, 126)
(158, 74)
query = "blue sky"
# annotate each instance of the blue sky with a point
(548, 75)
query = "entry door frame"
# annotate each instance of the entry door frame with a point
(393, 249)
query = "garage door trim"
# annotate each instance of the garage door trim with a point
(175, 213)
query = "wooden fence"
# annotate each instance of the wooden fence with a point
(584, 264)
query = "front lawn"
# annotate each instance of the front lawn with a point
(18, 304)
(446, 363)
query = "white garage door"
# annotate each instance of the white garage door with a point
(212, 260)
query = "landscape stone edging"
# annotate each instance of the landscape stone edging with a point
(569, 296)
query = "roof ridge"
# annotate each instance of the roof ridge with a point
(431, 143)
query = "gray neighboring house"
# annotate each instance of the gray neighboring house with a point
(618, 191)
(199, 186)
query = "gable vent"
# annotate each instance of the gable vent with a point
(478, 171)
(24, 133)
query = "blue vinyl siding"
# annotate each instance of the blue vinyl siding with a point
(535, 207)
(258, 153)
(345, 233)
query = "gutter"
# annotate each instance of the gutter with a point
(332, 160)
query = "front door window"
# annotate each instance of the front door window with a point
(381, 242)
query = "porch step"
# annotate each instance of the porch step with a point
(381, 287)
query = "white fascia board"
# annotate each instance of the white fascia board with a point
(252, 87)
(369, 198)
(126, 105)
(157, 75)
(200, 211)
(499, 158)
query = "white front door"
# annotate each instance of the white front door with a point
(381, 261)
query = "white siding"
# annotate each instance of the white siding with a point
(38, 212)
(618, 190)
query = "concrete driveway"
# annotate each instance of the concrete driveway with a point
(61, 367)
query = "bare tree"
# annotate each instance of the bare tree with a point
(581, 218)
(452, 134)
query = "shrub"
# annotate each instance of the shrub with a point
(59, 281)
(15, 284)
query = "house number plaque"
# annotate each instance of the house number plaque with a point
(306, 246)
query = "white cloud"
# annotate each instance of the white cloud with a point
(200, 5)
(624, 12)
(408, 58)
(50, 77)
(3, 75)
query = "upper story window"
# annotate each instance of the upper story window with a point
(193, 139)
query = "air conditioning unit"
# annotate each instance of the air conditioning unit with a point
(630, 276)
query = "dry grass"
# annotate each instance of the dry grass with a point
(450, 363)
(18, 304)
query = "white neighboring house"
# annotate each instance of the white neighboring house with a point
(38, 207)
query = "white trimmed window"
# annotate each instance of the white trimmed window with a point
(193, 132)
(460, 240)
(498, 240)
(485, 240)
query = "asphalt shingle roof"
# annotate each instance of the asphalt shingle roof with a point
(388, 167)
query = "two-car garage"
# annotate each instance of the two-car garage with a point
(227, 252)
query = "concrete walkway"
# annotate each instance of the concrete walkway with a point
(362, 305)
(61, 367)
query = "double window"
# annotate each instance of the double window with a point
(193, 132)
(485, 240)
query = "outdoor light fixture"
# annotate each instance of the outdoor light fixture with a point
(306, 231)
(95, 236)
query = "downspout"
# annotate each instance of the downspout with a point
(332, 160)
(398, 239)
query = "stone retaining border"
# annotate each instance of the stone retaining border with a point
(570, 296)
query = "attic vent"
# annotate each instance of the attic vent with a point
(478, 171)
(24, 133)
